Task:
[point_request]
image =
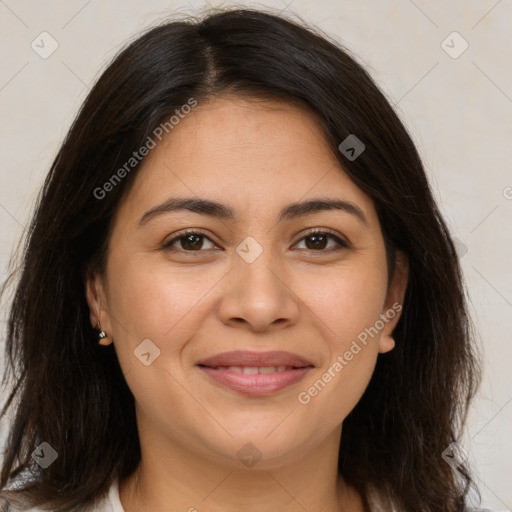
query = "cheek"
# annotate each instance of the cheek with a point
(329, 397)
(347, 304)
(147, 300)
(346, 300)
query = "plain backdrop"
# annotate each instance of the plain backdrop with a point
(455, 100)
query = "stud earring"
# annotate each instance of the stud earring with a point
(103, 339)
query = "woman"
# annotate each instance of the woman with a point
(238, 292)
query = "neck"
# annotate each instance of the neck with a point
(179, 481)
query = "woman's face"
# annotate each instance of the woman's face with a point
(251, 279)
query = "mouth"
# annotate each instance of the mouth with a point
(256, 373)
(252, 370)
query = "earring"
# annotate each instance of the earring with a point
(102, 337)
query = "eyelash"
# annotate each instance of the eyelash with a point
(316, 231)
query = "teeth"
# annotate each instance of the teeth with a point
(235, 368)
(268, 369)
(252, 370)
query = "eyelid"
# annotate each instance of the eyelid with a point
(340, 240)
(185, 232)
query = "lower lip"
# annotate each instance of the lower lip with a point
(256, 384)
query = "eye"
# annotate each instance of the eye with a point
(190, 241)
(318, 240)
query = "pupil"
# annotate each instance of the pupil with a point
(189, 242)
(318, 241)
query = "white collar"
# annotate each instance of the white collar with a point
(114, 499)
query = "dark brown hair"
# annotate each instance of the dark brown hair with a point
(71, 393)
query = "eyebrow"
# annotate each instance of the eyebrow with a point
(221, 211)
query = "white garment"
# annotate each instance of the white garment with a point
(113, 502)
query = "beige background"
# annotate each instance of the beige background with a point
(459, 110)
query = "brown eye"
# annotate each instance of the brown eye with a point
(192, 241)
(316, 241)
(319, 241)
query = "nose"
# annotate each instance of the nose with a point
(257, 295)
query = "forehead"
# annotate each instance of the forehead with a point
(250, 153)
(230, 129)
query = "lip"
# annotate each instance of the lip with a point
(219, 369)
(252, 358)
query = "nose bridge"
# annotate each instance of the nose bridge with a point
(258, 292)
(257, 265)
(262, 270)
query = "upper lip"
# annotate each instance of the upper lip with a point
(256, 359)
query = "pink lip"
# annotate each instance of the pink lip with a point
(258, 384)
(251, 358)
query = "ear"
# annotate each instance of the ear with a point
(394, 302)
(97, 300)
